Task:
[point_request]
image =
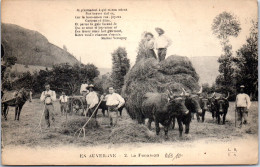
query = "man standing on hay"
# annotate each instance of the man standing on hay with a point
(243, 104)
(114, 102)
(92, 100)
(48, 97)
(162, 43)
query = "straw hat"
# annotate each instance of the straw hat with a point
(159, 30)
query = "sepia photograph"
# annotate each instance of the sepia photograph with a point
(159, 82)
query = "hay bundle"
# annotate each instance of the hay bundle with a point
(131, 132)
(76, 122)
(149, 75)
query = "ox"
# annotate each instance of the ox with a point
(193, 106)
(161, 108)
(222, 105)
(212, 105)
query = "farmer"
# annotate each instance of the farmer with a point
(243, 104)
(114, 102)
(149, 45)
(83, 89)
(48, 97)
(92, 100)
(63, 103)
(162, 43)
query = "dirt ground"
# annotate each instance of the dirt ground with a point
(22, 133)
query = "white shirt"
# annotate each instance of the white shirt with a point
(64, 98)
(92, 99)
(50, 99)
(243, 100)
(162, 42)
(83, 87)
(115, 99)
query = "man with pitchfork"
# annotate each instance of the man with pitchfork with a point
(48, 97)
(92, 101)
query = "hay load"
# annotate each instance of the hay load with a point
(149, 75)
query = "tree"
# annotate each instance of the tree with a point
(120, 67)
(224, 26)
(246, 71)
(69, 78)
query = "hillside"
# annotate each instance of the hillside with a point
(206, 67)
(32, 48)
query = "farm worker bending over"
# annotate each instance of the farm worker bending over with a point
(92, 100)
(114, 102)
(243, 104)
(162, 43)
(48, 97)
(63, 103)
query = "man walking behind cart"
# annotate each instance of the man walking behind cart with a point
(48, 97)
(114, 102)
(243, 104)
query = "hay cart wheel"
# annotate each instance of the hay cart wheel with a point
(77, 106)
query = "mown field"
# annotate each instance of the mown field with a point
(23, 132)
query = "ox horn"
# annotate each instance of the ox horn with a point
(200, 91)
(227, 96)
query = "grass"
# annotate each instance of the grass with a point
(21, 133)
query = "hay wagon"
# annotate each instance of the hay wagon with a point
(77, 104)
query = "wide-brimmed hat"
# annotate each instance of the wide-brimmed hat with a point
(90, 86)
(157, 29)
(148, 33)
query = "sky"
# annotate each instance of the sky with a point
(187, 23)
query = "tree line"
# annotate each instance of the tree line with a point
(241, 67)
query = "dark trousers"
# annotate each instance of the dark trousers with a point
(49, 111)
(63, 108)
(162, 53)
(242, 115)
(113, 115)
(150, 53)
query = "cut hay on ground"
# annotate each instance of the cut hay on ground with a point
(149, 75)
(75, 123)
(130, 132)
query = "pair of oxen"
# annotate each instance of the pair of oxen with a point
(164, 108)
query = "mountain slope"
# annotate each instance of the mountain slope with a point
(206, 67)
(32, 48)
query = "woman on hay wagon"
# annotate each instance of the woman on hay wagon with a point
(149, 45)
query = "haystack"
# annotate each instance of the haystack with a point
(149, 75)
